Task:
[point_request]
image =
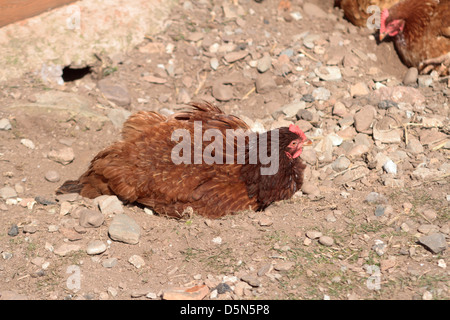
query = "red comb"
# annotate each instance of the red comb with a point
(383, 17)
(295, 129)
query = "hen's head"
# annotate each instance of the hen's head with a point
(292, 141)
(389, 26)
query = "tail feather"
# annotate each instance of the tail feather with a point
(70, 186)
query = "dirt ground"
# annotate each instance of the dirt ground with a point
(258, 255)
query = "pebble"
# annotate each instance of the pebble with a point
(414, 146)
(109, 205)
(284, 266)
(65, 249)
(390, 167)
(91, 218)
(379, 210)
(52, 176)
(359, 89)
(28, 143)
(410, 77)
(235, 56)
(326, 241)
(124, 229)
(222, 92)
(5, 124)
(379, 247)
(63, 156)
(264, 63)
(364, 118)
(13, 231)
(340, 164)
(428, 228)
(214, 63)
(251, 280)
(435, 242)
(137, 261)
(311, 234)
(321, 94)
(7, 192)
(265, 83)
(96, 247)
(329, 73)
(109, 263)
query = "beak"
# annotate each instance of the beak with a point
(307, 142)
(382, 36)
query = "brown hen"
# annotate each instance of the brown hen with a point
(153, 164)
(421, 33)
(356, 11)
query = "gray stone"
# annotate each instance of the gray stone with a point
(13, 231)
(340, 164)
(410, 76)
(63, 156)
(109, 204)
(251, 280)
(124, 229)
(91, 218)
(329, 73)
(52, 176)
(264, 63)
(435, 242)
(321, 94)
(7, 192)
(326, 241)
(109, 263)
(96, 247)
(265, 83)
(5, 124)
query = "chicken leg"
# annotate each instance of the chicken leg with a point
(441, 64)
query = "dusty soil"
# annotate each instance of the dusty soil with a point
(260, 255)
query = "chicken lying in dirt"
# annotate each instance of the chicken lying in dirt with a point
(200, 158)
(421, 33)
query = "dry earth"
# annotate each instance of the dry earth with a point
(370, 246)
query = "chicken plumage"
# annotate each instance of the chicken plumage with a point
(356, 10)
(421, 33)
(148, 165)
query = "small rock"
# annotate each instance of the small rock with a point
(52, 176)
(251, 280)
(65, 208)
(364, 118)
(379, 247)
(222, 288)
(264, 269)
(313, 234)
(329, 73)
(264, 63)
(192, 293)
(63, 156)
(340, 164)
(379, 210)
(96, 247)
(339, 109)
(217, 240)
(65, 249)
(435, 242)
(310, 188)
(265, 222)
(410, 77)
(321, 94)
(214, 63)
(7, 192)
(414, 146)
(235, 56)
(425, 81)
(430, 214)
(124, 229)
(428, 228)
(359, 89)
(91, 218)
(136, 261)
(284, 266)
(109, 263)
(265, 83)
(28, 143)
(109, 205)
(13, 231)
(5, 124)
(375, 197)
(326, 241)
(427, 295)
(390, 167)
